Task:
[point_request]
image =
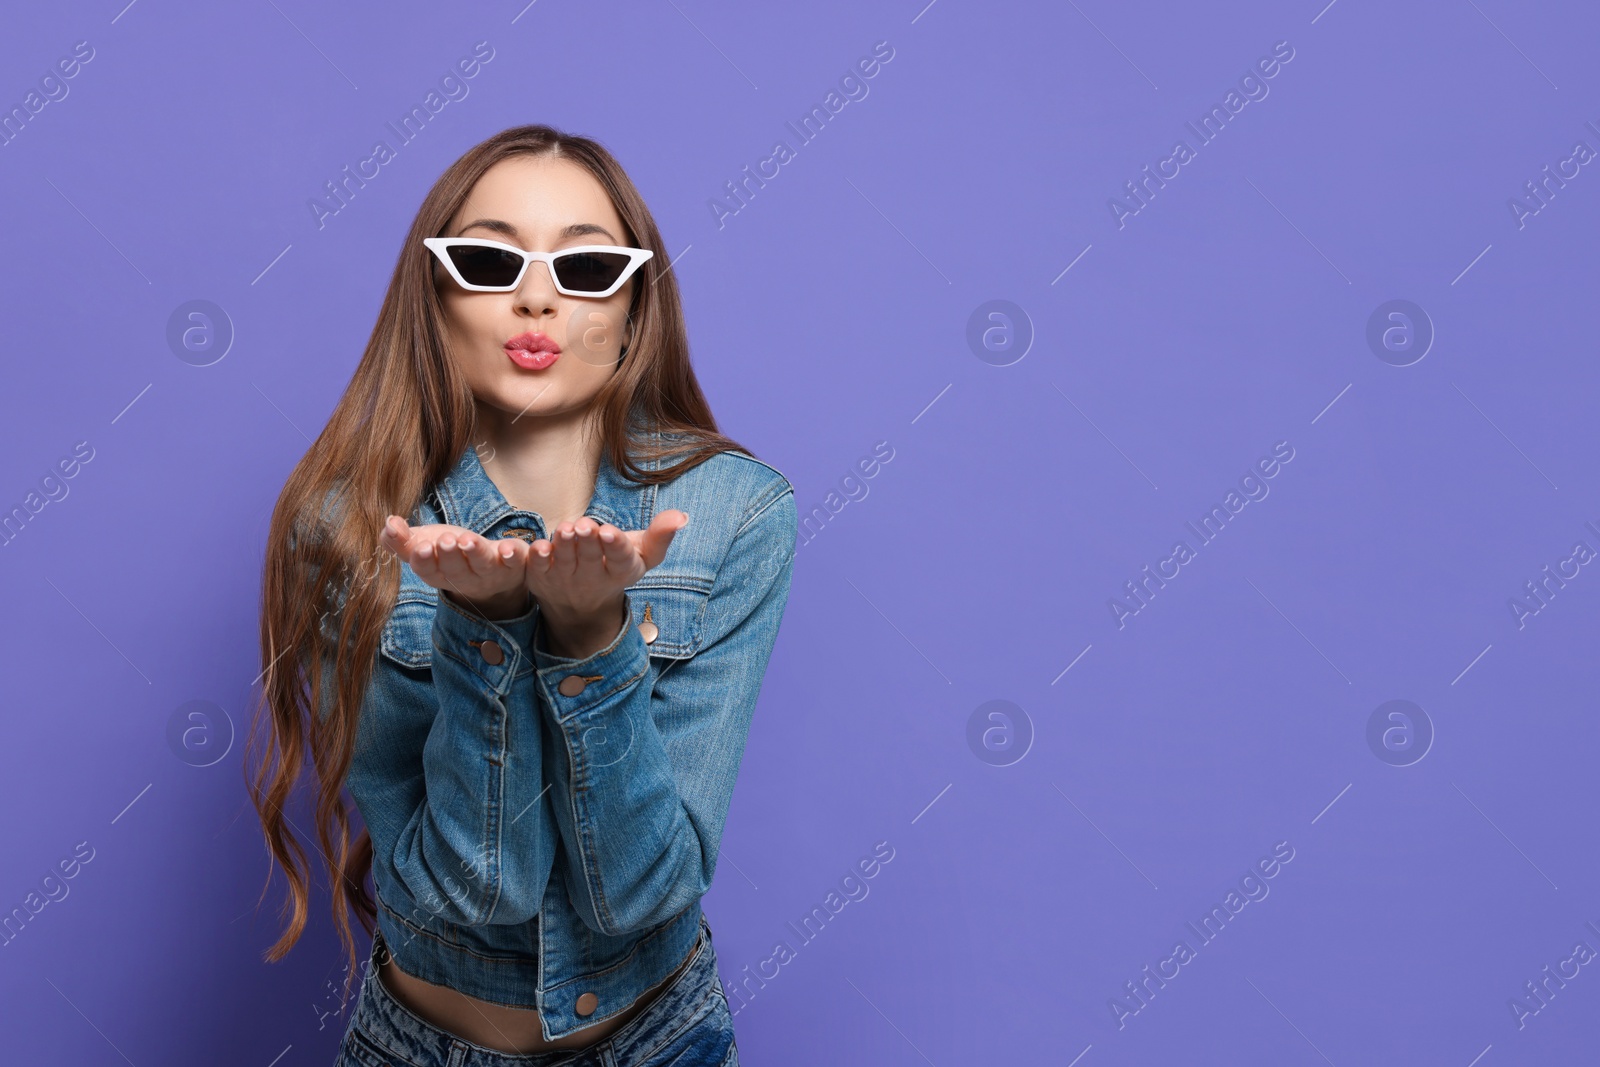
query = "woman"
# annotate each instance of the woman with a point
(536, 644)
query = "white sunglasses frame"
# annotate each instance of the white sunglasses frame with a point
(637, 257)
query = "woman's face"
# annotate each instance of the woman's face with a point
(540, 204)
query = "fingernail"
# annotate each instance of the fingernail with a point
(607, 536)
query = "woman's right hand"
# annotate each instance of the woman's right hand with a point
(484, 575)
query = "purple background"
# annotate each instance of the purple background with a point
(830, 313)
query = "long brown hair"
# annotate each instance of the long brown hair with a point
(401, 425)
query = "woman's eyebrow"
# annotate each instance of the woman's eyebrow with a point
(577, 229)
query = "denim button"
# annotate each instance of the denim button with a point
(571, 686)
(491, 652)
(587, 1004)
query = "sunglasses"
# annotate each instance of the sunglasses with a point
(485, 266)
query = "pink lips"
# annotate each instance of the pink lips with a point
(532, 351)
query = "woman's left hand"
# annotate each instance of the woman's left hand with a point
(580, 575)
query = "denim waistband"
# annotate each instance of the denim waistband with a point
(383, 1020)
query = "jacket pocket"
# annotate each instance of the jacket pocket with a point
(670, 613)
(408, 633)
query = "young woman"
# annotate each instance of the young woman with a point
(533, 593)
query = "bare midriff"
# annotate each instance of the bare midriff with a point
(495, 1026)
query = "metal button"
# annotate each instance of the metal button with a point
(587, 1004)
(571, 686)
(648, 631)
(491, 652)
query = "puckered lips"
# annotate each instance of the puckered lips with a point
(532, 351)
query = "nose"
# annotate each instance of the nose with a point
(537, 294)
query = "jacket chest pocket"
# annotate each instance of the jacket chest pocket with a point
(408, 633)
(670, 617)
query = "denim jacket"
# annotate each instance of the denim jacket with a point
(543, 827)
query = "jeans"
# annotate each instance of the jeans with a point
(686, 1025)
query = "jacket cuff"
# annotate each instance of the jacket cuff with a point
(495, 651)
(573, 686)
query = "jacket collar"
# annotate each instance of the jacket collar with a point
(469, 498)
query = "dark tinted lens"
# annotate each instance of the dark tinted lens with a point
(590, 272)
(485, 266)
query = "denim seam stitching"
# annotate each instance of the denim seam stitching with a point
(693, 1017)
(494, 871)
(601, 699)
(492, 687)
(379, 1047)
(758, 509)
(519, 961)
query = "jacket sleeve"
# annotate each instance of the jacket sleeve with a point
(642, 761)
(473, 841)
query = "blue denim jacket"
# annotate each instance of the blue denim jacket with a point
(543, 827)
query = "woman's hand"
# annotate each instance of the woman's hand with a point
(487, 576)
(579, 577)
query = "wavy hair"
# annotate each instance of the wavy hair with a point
(403, 422)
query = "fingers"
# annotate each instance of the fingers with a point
(486, 558)
(575, 545)
(395, 534)
(563, 549)
(465, 558)
(425, 561)
(541, 555)
(452, 560)
(590, 547)
(657, 537)
(447, 555)
(615, 548)
(507, 555)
